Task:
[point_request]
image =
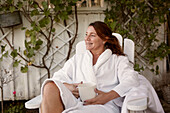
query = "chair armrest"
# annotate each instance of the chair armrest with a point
(33, 103)
(137, 104)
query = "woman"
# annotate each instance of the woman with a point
(103, 63)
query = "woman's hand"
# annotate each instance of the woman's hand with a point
(102, 97)
(73, 88)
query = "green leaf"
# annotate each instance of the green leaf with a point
(20, 4)
(24, 69)
(69, 9)
(113, 25)
(26, 45)
(27, 33)
(31, 2)
(23, 28)
(152, 70)
(33, 39)
(34, 12)
(56, 18)
(43, 22)
(53, 30)
(74, 1)
(55, 2)
(39, 42)
(35, 5)
(30, 53)
(63, 15)
(57, 8)
(12, 9)
(44, 4)
(19, 49)
(6, 54)
(1, 59)
(47, 12)
(16, 63)
(14, 53)
(37, 47)
(25, 52)
(133, 10)
(2, 48)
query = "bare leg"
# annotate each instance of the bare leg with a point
(51, 102)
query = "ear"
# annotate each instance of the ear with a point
(105, 40)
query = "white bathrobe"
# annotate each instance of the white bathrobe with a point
(111, 72)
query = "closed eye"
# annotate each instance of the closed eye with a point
(92, 35)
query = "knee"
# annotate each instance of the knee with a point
(50, 87)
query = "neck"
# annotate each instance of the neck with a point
(97, 53)
(96, 56)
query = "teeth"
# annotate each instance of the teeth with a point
(88, 43)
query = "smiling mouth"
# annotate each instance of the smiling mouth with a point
(89, 43)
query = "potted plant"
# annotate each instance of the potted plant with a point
(9, 19)
(9, 14)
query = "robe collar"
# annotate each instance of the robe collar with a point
(88, 61)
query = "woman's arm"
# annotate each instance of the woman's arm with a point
(127, 76)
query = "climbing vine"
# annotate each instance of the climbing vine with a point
(140, 21)
(51, 12)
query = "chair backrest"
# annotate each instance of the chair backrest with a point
(119, 37)
(128, 47)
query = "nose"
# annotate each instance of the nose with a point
(87, 38)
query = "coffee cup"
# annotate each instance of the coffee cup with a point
(86, 91)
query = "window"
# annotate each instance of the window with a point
(90, 3)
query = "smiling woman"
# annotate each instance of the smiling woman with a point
(102, 61)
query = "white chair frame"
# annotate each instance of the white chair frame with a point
(138, 105)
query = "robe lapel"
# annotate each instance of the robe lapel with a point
(88, 67)
(88, 70)
(102, 59)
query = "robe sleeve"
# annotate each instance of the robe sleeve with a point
(127, 77)
(65, 74)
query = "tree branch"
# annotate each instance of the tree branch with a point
(73, 40)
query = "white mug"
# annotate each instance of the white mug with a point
(86, 91)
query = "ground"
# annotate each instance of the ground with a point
(18, 106)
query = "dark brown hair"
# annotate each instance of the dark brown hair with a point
(105, 33)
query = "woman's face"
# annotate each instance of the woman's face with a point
(93, 42)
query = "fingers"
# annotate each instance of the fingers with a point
(76, 94)
(90, 102)
(75, 90)
(98, 91)
(76, 84)
(97, 100)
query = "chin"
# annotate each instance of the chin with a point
(88, 48)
